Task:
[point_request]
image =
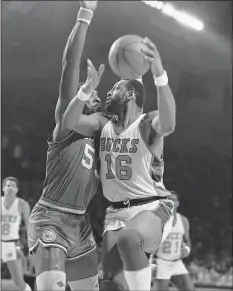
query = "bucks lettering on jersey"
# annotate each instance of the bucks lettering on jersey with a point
(70, 181)
(170, 249)
(10, 221)
(128, 168)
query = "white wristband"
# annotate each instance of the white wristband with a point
(162, 80)
(82, 96)
(85, 15)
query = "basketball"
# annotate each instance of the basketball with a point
(126, 59)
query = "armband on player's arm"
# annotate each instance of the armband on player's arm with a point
(81, 95)
(165, 123)
(85, 15)
(162, 80)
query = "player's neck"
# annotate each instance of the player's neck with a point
(129, 116)
(9, 201)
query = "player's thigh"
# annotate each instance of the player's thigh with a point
(152, 224)
(83, 266)
(161, 284)
(47, 259)
(112, 263)
(183, 282)
(52, 234)
(83, 254)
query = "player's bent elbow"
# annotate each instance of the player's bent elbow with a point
(168, 130)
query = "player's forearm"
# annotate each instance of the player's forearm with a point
(75, 44)
(166, 109)
(74, 111)
(72, 56)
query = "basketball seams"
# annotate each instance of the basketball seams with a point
(134, 52)
(126, 59)
(123, 56)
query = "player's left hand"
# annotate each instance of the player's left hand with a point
(91, 5)
(93, 77)
(151, 54)
(185, 251)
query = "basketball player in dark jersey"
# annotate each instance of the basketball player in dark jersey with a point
(60, 236)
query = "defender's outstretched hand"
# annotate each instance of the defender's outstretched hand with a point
(91, 5)
(151, 54)
(93, 77)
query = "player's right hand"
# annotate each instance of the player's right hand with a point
(93, 77)
(91, 5)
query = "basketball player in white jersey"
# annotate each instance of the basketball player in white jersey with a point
(14, 209)
(131, 151)
(176, 246)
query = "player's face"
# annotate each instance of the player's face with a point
(116, 97)
(93, 104)
(10, 189)
(176, 201)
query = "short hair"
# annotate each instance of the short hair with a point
(139, 90)
(11, 178)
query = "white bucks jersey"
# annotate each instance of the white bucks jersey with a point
(128, 168)
(10, 220)
(170, 249)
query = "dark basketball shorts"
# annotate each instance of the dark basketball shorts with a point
(53, 228)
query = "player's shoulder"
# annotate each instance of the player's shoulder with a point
(23, 203)
(184, 219)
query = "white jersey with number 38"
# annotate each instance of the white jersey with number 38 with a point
(10, 221)
(170, 249)
(128, 168)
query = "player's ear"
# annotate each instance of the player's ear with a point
(130, 95)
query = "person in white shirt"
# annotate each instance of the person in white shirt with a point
(14, 210)
(177, 245)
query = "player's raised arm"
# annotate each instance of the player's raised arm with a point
(73, 118)
(165, 123)
(71, 63)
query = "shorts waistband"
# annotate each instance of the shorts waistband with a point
(135, 202)
(61, 208)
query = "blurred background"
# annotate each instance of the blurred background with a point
(198, 156)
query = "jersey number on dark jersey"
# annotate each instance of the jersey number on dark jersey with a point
(88, 158)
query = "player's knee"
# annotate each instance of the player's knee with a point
(51, 280)
(129, 240)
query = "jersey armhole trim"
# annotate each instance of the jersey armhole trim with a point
(147, 146)
(51, 142)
